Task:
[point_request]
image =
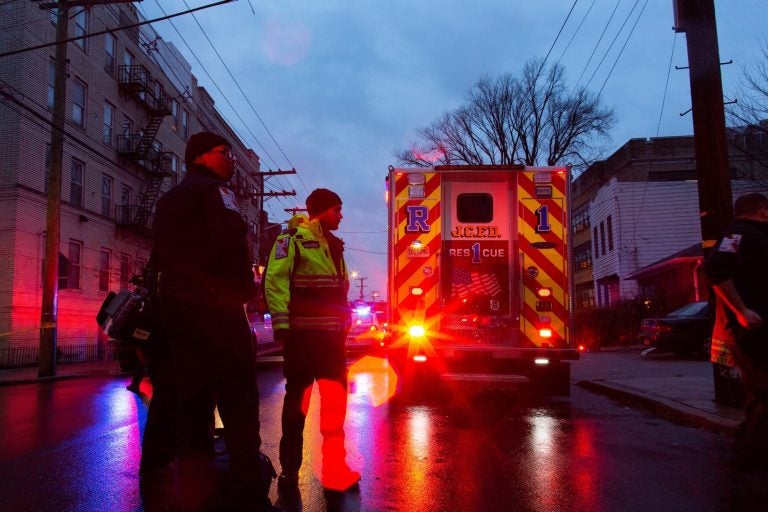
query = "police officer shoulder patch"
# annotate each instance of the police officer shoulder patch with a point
(730, 243)
(228, 197)
(281, 247)
(310, 244)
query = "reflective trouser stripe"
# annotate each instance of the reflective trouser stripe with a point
(325, 323)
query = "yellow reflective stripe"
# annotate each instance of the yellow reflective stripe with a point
(316, 277)
(322, 322)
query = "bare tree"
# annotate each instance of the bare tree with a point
(530, 120)
(751, 109)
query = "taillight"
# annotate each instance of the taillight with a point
(416, 331)
(545, 332)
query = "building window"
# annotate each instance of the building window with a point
(175, 114)
(127, 58)
(127, 127)
(78, 103)
(609, 221)
(104, 257)
(184, 124)
(582, 257)
(75, 254)
(76, 172)
(141, 266)
(109, 121)
(581, 218)
(594, 242)
(125, 270)
(183, 170)
(602, 239)
(51, 83)
(110, 45)
(106, 195)
(174, 169)
(125, 203)
(81, 27)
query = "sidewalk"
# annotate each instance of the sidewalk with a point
(28, 375)
(678, 389)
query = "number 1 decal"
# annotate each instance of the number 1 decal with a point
(542, 217)
(476, 252)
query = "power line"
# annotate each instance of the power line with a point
(583, 19)
(558, 35)
(629, 36)
(266, 153)
(225, 98)
(666, 84)
(216, 85)
(597, 44)
(607, 50)
(229, 72)
(245, 96)
(109, 31)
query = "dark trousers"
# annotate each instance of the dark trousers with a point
(309, 356)
(157, 447)
(751, 355)
(213, 358)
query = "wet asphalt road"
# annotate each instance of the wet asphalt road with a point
(73, 445)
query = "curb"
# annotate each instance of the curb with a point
(54, 378)
(664, 407)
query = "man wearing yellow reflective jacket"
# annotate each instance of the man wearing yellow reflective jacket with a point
(306, 288)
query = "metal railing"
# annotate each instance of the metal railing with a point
(18, 357)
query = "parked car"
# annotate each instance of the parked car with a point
(366, 332)
(685, 331)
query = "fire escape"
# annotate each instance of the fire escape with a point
(140, 147)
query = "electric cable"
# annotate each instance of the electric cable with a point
(666, 84)
(575, 32)
(626, 41)
(226, 99)
(245, 96)
(610, 46)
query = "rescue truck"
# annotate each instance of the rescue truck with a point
(479, 285)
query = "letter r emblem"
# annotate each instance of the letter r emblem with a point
(417, 219)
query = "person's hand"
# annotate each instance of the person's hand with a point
(280, 335)
(749, 319)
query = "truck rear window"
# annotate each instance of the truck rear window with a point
(474, 208)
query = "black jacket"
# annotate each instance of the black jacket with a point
(742, 256)
(201, 251)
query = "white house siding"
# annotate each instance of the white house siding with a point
(651, 220)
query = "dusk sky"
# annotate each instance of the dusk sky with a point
(341, 85)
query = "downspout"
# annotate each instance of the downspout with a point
(696, 291)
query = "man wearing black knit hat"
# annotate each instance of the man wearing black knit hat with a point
(204, 277)
(306, 287)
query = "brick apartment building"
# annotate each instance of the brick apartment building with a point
(636, 226)
(131, 104)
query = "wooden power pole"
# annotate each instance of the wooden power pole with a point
(46, 365)
(697, 19)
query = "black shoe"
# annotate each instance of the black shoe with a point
(133, 389)
(288, 494)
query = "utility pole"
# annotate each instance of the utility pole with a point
(362, 286)
(46, 365)
(697, 19)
